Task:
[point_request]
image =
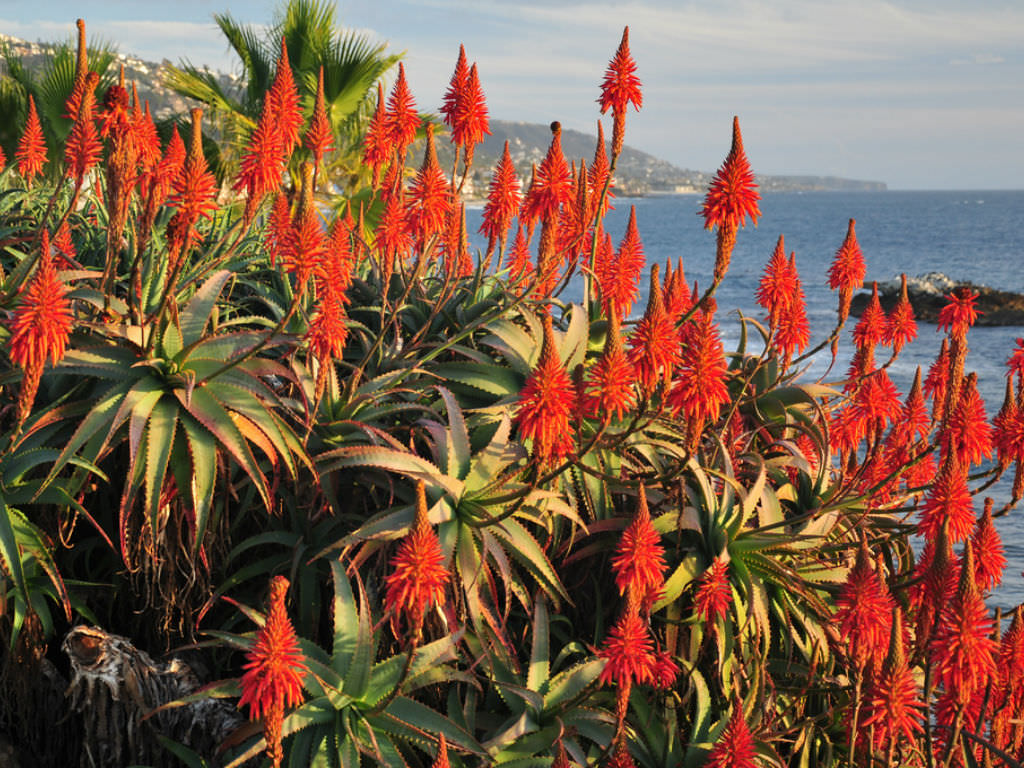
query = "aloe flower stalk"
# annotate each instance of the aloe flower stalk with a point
(713, 597)
(283, 99)
(503, 202)
(620, 88)
(546, 404)
(735, 747)
(400, 118)
(31, 152)
(319, 136)
(639, 561)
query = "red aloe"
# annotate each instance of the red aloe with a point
(456, 88)
(273, 670)
(713, 597)
(552, 183)
(546, 404)
(949, 499)
(870, 330)
(654, 345)
(418, 577)
(966, 431)
(629, 651)
(793, 333)
(960, 313)
(441, 761)
(401, 120)
(610, 382)
(319, 136)
(732, 196)
(900, 326)
(775, 289)
(936, 383)
(503, 201)
(1015, 363)
(735, 747)
(307, 246)
(376, 143)
(40, 327)
(1008, 430)
(430, 199)
(989, 555)
(283, 98)
(193, 192)
(469, 121)
(639, 561)
(893, 702)
(847, 271)
(393, 235)
(598, 177)
(699, 385)
(620, 88)
(963, 652)
(620, 277)
(31, 152)
(864, 612)
(518, 262)
(82, 149)
(263, 163)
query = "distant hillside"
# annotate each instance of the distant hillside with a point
(638, 173)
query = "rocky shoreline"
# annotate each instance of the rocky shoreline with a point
(927, 294)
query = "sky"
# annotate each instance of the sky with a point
(920, 95)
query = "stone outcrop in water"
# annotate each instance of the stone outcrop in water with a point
(928, 293)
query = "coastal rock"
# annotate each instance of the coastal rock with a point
(927, 294)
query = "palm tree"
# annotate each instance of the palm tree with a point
(352, 66)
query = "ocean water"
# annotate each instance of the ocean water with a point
(973, 235)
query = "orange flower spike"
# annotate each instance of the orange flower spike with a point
(936, 383)
(989, 554)
(319, 136)
(914, 419)
(503, 202)
(599, 175)
(456, 88)
(74, 100)
(82, 149)
(546, 403)
(732, 196)
(65, 246)
(735, 747)
(870, 330)
(846, 274)
(620, 757)
(400, 118)
(864, 612)
(431, 199)
(620, 88)
(40, 327)
(624, 282)
(639, 561)
(967, 431)
(1015, 362)
(628, 650)
(148, 138)
(963, 652)
(893, 701)
(394, 238)
(471, 122)
(193, 190)
(959, 315)
(713, 597)
(283, 97)
(699, 387)
(31, 152)
(418, 577)
(552, 183)
(794, 331)
(949, 499)
(775, 289)
(261, 167)
(518, 262)
(1008, 430)
(441, 761)
(277, 237)
(328, 329)
(654, 344)
(376, 145)
(274, 669)
(307, 248)
(900, 326)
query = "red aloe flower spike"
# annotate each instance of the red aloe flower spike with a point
(620, 88)
(441, 761)
(949, 499)
(456, 88)
(713, 597)
(65, 246)
(775, 289)
(546, 404)
(393, 236)
(599, 175)
(915, 421)
(193, 192)
(732, 197)
(639, 561)
(864, 612)
(148, 138)
(273, 671)
(283, 96)
(457, 261)
(431, 201)
(552, 182)
(610, 381)
(401, 119)
(377, 144)
(328, 329)
(307, 248)
(893, 702)
(794, 331)
(665, 671)
(870, 331)
(989, 555)
(260, 169)
(1015, 363)
(847, 271)
(503, 201)
(1011, 652)
(900, 326)
(677, 294)
(735, 747)
(31, 152)
(319, 136)
(963, 650)
(419, 576)
(654, 345)
(936, 383)
(74, 100)
(620, 757)
(959, 315)
(967, 432)
(518, 263)
(40, 327)
(1008, 430)
(83, 148)
(470, 122)
(699, 385)
(277, 238)
(629, 650)
(621, 279)
(876, 403)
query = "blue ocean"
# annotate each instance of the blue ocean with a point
(967, 235)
